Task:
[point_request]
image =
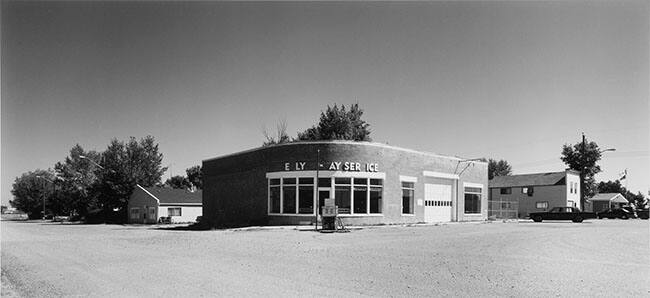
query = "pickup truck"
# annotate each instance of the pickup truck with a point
(562, 213)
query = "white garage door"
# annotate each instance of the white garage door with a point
(437, 202)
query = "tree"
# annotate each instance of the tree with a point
(179, 182)
(77, 177)
(281, 136)
(611, 187)
(124, 166)
(338, 124)
(195, 176)
(31, 191)
(498, 168)
(583, 157)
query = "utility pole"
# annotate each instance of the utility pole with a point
(582, 172)
(317, 192)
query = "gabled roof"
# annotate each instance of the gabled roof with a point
(611, 197)
(170, 196)
(537, 179)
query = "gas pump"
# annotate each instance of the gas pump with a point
(329, 213)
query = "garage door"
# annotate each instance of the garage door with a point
(437, 202)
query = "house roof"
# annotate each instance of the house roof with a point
(175, 196)
(611, 197)
(537, 179)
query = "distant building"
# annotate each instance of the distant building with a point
(535, 192)
(604, 201)
(148, 205)
(371, 183)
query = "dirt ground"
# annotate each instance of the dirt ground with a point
(594, 258)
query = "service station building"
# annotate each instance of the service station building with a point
(371, 183)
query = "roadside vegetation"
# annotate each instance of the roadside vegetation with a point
(95, 186)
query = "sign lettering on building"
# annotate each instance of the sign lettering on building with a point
(347, 166)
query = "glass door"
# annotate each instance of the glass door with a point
(323, 193)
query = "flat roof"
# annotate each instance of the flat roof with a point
(373, 144)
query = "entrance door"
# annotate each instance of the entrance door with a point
(323, 193)
(437, 202)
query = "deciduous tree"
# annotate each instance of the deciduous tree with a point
(31, 190)
(124, 166)
(583, 157)
(179, 182)
(195, 176)
(338, 124)
(281, 136)
(498, 168)
(77, 177)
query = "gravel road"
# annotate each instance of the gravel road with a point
(594, 258)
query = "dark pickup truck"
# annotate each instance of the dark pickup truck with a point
(562, 213)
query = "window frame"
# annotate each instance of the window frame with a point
(151, 213)
(330, 175)
(411, 199)
(544, 203)
(467, 185)
(180, 211)
(131, 213)
(529, 190)
(505, 190)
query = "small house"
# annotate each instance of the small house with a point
(603, 201)
(148, 205)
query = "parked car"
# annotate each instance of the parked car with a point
(14, 216)
(562, 213)
(61, 218)
(615, 213)
(642, 213)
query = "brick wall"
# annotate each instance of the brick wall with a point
(235, 186)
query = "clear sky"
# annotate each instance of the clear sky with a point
(505, 80)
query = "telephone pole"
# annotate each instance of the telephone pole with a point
(582, 172)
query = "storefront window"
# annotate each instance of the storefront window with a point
(306, 196)
(289, 199)
(274, 195)
(295, 195)
(292, 196)
(289, 195)
(360, 198)
(342, 194)
(375, 199)
(275, 199)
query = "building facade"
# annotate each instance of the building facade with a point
(148, 205)
(536, 192)
(371, 183)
